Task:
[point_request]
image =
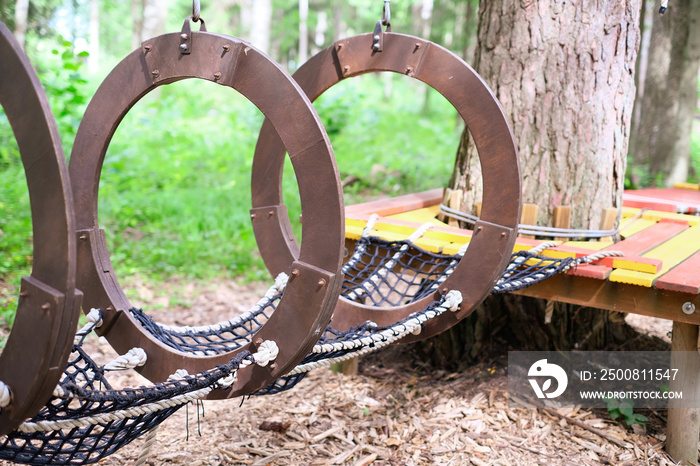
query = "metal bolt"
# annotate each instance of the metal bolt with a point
(376, 46)
(227, 48)
(503, 234)
(46, 306)
(147, 47)
(271, 213)
(258, 341)
(409, 70)
(273, 366)
(23, 294)
(418, 44)
(83, 236)
(322, 282)
(217, 75)
(295, 272)
(479, 228)
(183, 46)
(252, 216)
(110, 308)
(183, 36)
(346, 68)
(339, 46)
(688, 308)
(155, 73)
(376, 37)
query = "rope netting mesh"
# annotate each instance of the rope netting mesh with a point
(86, 419)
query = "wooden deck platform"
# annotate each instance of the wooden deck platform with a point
(658, 276)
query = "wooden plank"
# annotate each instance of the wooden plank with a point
(635, 227)
(455, 203)
(562, 219)
(607, 221)
(683, 425)
(598, 272)
(628, 262)
(672, 252)
(424, 215)
(685, 277)
(397, 205)
(692, 186)
(591, 245)
(655, 215)
(528, 216)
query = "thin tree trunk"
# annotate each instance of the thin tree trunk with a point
(137, 26)
(94, 43)
(662, 140)
(21, 14)
(261, 24)
(303, 32)
(154, 14)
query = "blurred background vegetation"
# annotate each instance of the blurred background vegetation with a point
(175, 186)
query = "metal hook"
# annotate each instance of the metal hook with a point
(196, 9)
(386, 13)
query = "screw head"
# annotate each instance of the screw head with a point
(376, 37)
(339, 46)
(184, 36)
(258, 341)
(375, 46)
(295, 272)
(155, 73)
(46, 306)
(227, 47)
(83, 236)
(23, 294)
(183, 47)
(322, 282)
(688, 308)
(217, 75)
(147, 47)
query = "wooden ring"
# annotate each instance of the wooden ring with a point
(495, 233)
(306, 307)
(48, 308)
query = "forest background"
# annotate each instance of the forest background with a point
(175, 188)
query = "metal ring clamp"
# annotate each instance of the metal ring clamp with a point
(48, 309)
(310, 296)
(494, 234)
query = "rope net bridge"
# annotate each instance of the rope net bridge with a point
(87, 419)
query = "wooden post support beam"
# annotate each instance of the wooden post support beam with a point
(562, 219)
(607, 222)
(683, 426)
(529, 217)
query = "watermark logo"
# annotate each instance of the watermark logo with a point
(542, 369)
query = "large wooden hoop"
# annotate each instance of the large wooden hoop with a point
(311, 294)
(48, 309)
(494, 235)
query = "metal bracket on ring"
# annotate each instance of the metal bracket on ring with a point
(186, 34)
(378, 36)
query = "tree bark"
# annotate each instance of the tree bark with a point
(94, 43)
(303, 32)
(564, 74)
(661, 141)
(261, 24)
(21, 15)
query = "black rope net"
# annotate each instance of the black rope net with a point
(87, 419)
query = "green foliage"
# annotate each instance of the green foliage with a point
(625, 410)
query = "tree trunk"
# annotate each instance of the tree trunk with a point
(303, 32)
(662, 138)
(137, 25)
(564, 74)
(154, 14)
(94, 43)
(21, 14)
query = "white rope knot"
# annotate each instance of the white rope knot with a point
(453, 299)
(281, 281)
(133, 358)
(5, 396)
(94, 319)
(267, 352)
(179, 374)
(226, 382)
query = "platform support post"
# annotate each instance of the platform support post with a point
(683, 416)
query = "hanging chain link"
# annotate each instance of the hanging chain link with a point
(386, 13)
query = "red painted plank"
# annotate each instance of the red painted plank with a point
(685, 277)
(599, 272)
(399, 204)
(678, 199)
(639, 243)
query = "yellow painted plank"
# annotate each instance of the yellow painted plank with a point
(452, 248)
(693, 186)
(354, 222)
(628, 212)
(425, 215)
(622, 263)
(636, 226)
(672, 252)
(431, 245)
(447, 237)
(353, 232)
(656, 215)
